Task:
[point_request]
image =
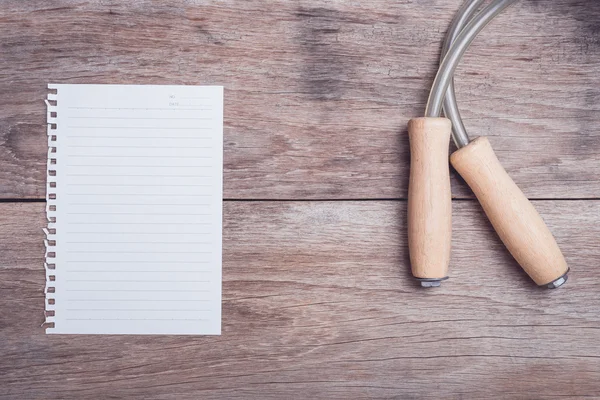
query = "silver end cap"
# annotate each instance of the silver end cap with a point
(559, 282)
(431, 282)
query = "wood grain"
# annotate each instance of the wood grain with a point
(318, 302)
(318, 93)
(318, 299)
(514, 218)
(429, 198)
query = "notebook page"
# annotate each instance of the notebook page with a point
(138, 209)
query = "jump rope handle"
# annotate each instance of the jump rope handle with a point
(513, 216)
(429, 200)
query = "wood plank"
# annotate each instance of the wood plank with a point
(318, 93)
(318, 303)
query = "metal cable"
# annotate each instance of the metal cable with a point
(463, 16)
(457, 49)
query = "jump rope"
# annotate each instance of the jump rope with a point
(512, 215)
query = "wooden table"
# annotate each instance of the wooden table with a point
(318, 300)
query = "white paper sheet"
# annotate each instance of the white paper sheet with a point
(138, 185)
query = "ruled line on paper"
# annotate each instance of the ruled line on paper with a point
(130, 213)
(138, 262)
(138, 127)
(136, 147)
(140, 233)
(135, 281)
(141, 184)
(126, 241)
(145, 194)
(141, 271)
(139, 290)
(139, 309)
(137, 252)
(139, 166)
(137, 319)
(140, 175)
(137, 223)
(141, 137)
(144, 118)
(146, 299)
(120, 157)
(141, 108)
(131, 156)
(134, 184)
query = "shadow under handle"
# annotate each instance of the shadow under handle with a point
(429, 199)
(513, 216)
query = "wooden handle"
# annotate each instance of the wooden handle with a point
(515, 219)
(429, 198)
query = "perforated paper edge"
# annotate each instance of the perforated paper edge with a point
(50, 230)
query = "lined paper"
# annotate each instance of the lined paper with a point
(138, 209)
